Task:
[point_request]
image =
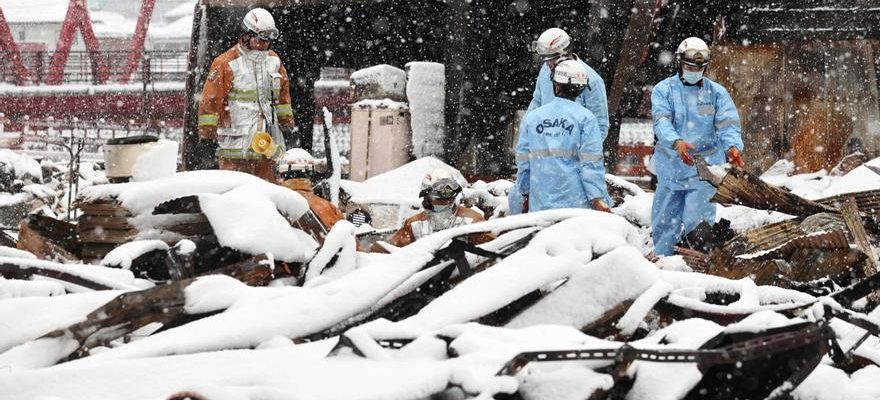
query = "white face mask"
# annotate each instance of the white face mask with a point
(255, 55)
(691, 76)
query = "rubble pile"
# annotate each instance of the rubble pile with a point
(778, 302)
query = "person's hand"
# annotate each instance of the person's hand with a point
(599, 205)
(735, 158)
(525, 203)
(683, 148)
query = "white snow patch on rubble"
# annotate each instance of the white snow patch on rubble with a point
(156, 161)
(617, 276)
(123, 255)
(398, 186)
(546, 259)
(245, 212)
(21, 164)
(15, 253)
(13, 288)
(113, 278)
(27, 318)
(247, 219)
(572, 382)
(141, 197)
(857, 180)
(669, 381)
(340, 241)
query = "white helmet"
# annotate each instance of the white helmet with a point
(259, 22)
(553, 43)
(439, 183)
(297, 159)
(693, 51)
(570, 72)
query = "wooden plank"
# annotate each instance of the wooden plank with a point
(98, 235)
(15, 271)
(110, 209)
(191, 228)
(41, 246)
(132, 310)
(87, 221)
(853, 220)
(742, 188)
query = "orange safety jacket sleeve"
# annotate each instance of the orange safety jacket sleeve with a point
(283, 108)
(214, 97)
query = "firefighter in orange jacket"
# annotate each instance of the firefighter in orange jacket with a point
(439, 193)
(246, 91)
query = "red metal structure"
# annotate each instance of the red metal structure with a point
(77, 17)
(159, 104)
(14, 56)
(140, 34)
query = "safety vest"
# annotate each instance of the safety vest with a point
(240, 95)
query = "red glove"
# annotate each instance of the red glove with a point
(735, 158)
(599, 205)
(525, 204)
(683, 148)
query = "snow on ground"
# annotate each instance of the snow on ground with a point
(582, 262)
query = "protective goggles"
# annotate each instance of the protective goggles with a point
(268, 35)
(445, 189)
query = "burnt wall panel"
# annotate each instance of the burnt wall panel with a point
(809, 101)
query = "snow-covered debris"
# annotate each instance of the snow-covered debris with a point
(21, 165)
(612, 278)
(123, 255)
(245, 212)
(555, 253)
(333, 158)
(340, 243)
(108, 277)
(247, 219)
(12, 288)
(857, 180)
(27, 318)
(399, 186)
(15, 253)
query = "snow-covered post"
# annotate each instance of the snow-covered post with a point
(332, 156)
(426, 95)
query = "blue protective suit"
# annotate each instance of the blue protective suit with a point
(559, 157)
(593, 98)
(705, 116)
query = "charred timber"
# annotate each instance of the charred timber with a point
(742, 188)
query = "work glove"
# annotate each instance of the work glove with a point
(683, 148)
(735, 158)
(205, 154)
(599, 205)
(291, 136)
(525, 203)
